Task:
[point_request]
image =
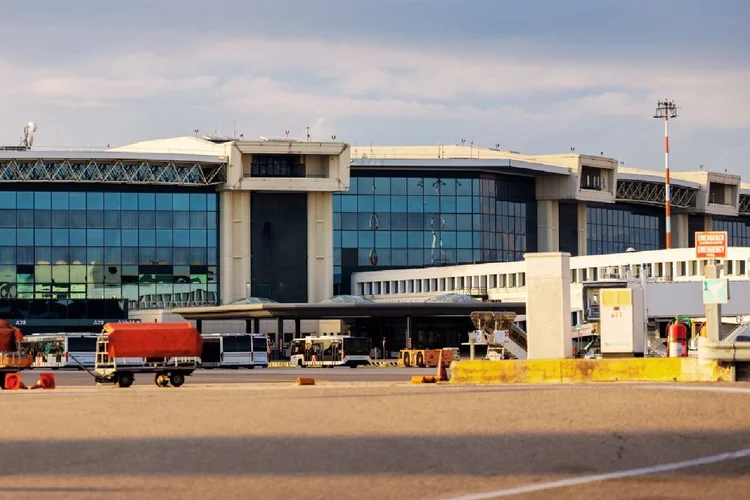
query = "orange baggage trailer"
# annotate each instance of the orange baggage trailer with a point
(171, 351)
(12, 356)
(424, 358)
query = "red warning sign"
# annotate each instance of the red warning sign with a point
(711, 245)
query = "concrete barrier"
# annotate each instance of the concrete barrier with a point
(589, 370)
(279, 364)
(384, 364)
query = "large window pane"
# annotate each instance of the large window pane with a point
(181, 201)
(60, 238)
(7, 237)
(7, 200)
(25, 201)
(147, 238)
(181, 238)
(95, 201)
(77, 201)
(129, 201)
(164, 237)
(146, 201)
(95, 237)
(164, 201)
(42, 201)
(198, 201)
(112, 201)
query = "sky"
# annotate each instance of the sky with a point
(535, 76)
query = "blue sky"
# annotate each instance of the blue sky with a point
(536, 76)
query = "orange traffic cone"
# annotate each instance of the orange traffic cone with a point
(46, 381)
(12, 381)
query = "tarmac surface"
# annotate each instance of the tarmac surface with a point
(73, 378)
(364, 440)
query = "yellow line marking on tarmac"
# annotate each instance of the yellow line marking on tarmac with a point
(577, 481)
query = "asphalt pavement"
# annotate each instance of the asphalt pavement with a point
(376, 440)
(72, 378)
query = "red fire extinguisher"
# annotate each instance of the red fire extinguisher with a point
(677, 340)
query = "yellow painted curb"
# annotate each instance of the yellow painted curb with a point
(589, 370)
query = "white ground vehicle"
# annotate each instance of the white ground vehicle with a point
(64, 350)
(55, 350)
(330, 350)
(234, 350)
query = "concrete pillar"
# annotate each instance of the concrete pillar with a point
(234, 247)
(713, 311)
(280, 331)
(548, 225)
(548, 314)
(680, 232)
(319, 246)
(583, 233)
(408, 332)
(708, 223)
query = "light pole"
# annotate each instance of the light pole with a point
(664, 111)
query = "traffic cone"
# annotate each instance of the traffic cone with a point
(442, 373)
(12, 381)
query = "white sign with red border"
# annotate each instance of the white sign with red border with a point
(711, 245)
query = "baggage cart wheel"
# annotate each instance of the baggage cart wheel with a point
(161, 380)
(124, 380)
(420, 360)
(177, 379)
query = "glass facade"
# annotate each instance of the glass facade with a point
(738, 231)
(398, 221)
(142, 246)
(614, 229)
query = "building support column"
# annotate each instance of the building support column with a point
(583, 233)
(408, 332)
(680, 231)
(280, 332)
(548, 316)
(708, 223)
(548, 225)
(234, 246)
(319, 246)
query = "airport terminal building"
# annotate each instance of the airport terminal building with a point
(89, 237)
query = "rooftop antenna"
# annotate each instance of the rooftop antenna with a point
(195, 131)
(234, 127)
(333, 137)
(287, 133)
(665, 110)
(28, 135)
(308, 133)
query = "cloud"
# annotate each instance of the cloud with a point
(526, 96)
(369, 79)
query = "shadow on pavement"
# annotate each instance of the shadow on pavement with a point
(506, 453)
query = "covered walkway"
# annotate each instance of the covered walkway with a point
(427, 324)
